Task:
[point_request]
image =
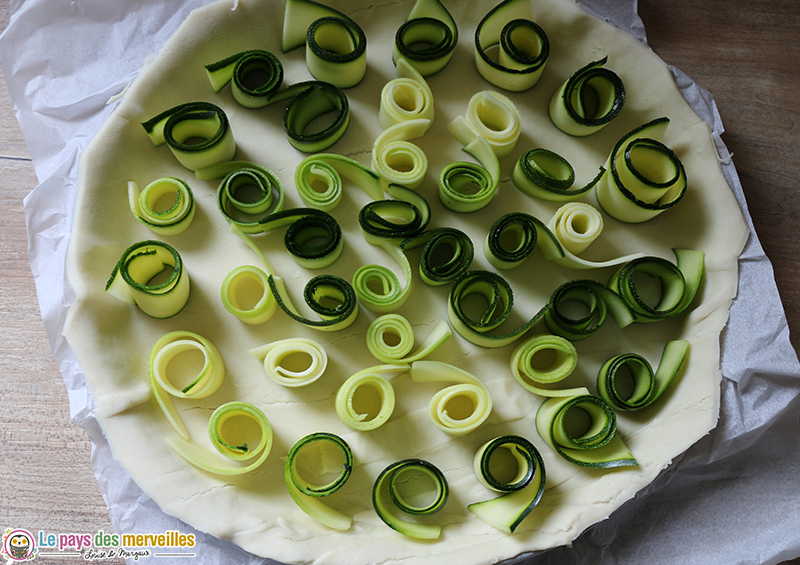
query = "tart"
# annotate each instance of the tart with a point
(113, 339)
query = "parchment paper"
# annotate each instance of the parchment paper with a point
(733, 498)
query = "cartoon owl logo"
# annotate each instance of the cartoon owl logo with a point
(19, 545)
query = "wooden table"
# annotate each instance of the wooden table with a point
(745, 52)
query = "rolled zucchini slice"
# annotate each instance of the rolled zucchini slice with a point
(151, 274)
(582, 429)
(467, 187)
(390, 496)
(306, 494)
(599, 300)
(318, 179)
(239, 431)
(235, 194)
(407, 97)
(172, 219)
(336, 46)
(523, 46)
(254, 75)
(521, 494)
(366, 400)
(396, 159)
(514, 236)
(493, 116)
(330, 297)
(180, 127)
(628, 382)
(542, 361)
(576, 225)
(314, 241)
(546, 175)
(500, 300)
(292, 362)
(307, 102)
(174, 353)
(447, 253)
(588, 101)
(313, 237)
(246, 294)
(643, 178)
(397, 349)
(457, 409)
(573, 227)
(406, 215)
(427, 38)
(387, 223)
(678, 284)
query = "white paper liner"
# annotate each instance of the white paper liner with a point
(726, 501)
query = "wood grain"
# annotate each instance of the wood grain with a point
(744, 52)
(45, 470)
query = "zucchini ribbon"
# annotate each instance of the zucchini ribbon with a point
(575, 226)
(678, 284)
(493, 116)
(599, 301)
(366, 400)
(446, 254)
(582, 429)
(180, 127)
(165, 357)
(308, 100)
(543, 174)
(172, 220)
(521, 494)
(241, 457)
(396, 349)
(240, 69)
(643, 176)
(588, 101)
(169, 352)
(388, 494)
(386, 223)
(292, 362)
(336, 46)
(396, 159)
(132, 280)
(407, 97)
(514, 236)
(459, 408)
(467, 187)
(427, 38)
(318, 179)
(307, 495)
(246, 294)
(523, 46)
(318, 293)
(645, 386)
(500, 300)
(544, 360)
(243, 176)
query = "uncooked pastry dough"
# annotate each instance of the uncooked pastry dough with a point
(112, 339)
